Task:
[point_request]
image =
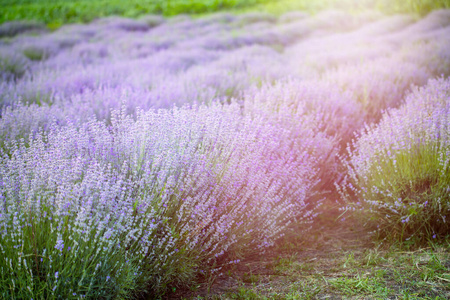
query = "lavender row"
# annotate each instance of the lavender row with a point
(173, 187)
(95, 67)
(398, 171)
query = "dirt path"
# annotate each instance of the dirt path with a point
(337, 261)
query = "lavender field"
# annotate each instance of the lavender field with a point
(139, 155)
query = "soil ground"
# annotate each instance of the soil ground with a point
(338, 260)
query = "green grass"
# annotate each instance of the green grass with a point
(420, 7)
(57, 12)
(54, 13)
(420, 274)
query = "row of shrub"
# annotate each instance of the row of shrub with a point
(58, 12)
(398, 181)
(141, 155)
(150, 200)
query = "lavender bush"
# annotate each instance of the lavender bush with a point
(336, 110)
(378, 87)
(398, 171)
(12, 65)
(145, 202)
(10, 29)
